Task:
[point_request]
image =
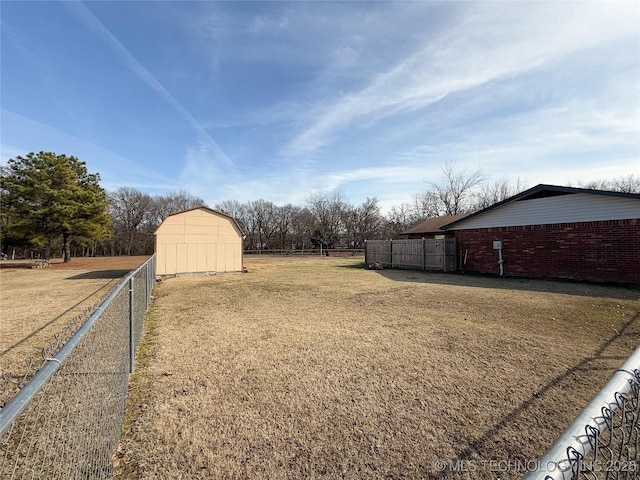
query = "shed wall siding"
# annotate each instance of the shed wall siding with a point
(606, 251)
(198, 241)
(579, 207)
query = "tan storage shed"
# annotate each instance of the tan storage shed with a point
(198, 241)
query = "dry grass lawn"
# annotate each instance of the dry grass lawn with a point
(37, 304)
(317, 368)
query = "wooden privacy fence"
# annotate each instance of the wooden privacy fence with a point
(425, 254)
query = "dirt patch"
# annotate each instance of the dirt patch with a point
(316, 368)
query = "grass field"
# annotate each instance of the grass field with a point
(317, 368)
(37, 304)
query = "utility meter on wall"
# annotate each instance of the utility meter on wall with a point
(497, 244)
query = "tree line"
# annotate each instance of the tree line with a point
(50, 203)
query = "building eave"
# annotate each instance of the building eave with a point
(539, 190)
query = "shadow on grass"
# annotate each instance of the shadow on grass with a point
(566, 287)
(54, 320)
(99, 274)
(353, 266)
(478, 447)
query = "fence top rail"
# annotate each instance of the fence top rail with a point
(574, 443)
(21, 400)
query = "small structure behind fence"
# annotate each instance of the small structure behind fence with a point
(65, 423)
(424, 254)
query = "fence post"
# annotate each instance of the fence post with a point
(366, 262)
(444, 255)
(148, 286)
(145, 277)
(131, 326)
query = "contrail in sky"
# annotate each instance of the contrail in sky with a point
(91, 21)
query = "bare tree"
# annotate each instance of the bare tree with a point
(136, 215)
(232, 208)
(351, 223)
(400, 218)
(327, 208)
(284, 225)
(491, 193)
(625, 184)
(252, 227)
(129, 210)
(425, 205)
(302, 226)
(264, 218)
(453, 192)
(172, 202)
(363, 222)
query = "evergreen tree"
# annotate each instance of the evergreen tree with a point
(47, 197)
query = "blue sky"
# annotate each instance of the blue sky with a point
(275, 100)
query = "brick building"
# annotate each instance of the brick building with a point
(554, 232)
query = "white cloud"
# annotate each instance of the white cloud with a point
(397, 86)
(489, 43)
(480, 47)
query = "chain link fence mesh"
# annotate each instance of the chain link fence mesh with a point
(615, 444)
(604, 440)
(11, 382)
(70, 426)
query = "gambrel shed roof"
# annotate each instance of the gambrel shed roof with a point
(210, 210)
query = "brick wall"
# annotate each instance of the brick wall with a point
(605, 251)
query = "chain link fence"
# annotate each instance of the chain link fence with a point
(603, 442)
(11, 382)
(65, 422)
